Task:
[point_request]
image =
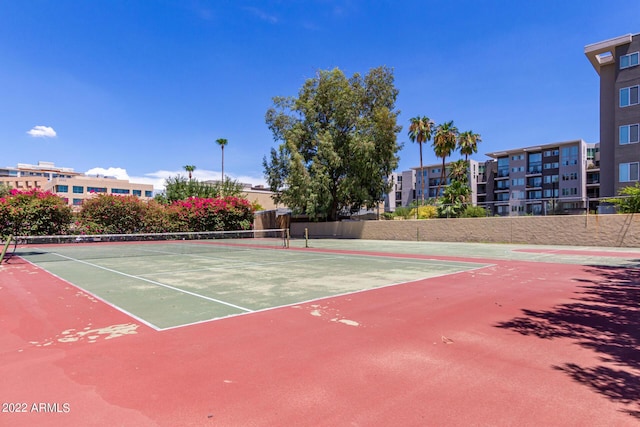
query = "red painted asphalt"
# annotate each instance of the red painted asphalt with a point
(516, 343)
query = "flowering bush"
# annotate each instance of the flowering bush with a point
(113, 214)
(33, 212)
(209, 214)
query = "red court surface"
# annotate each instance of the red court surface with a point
(512, 344)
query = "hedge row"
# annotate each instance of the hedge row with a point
(36, 212)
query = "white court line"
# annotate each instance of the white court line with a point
(430, 262)
(358, 291)
(233, 266)
(121, 310)
(156, 283)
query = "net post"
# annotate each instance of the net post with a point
(5, 248)
(306, 237)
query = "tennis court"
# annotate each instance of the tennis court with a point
(169, 283)
(264, 332)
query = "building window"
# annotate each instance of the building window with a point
(518, 157)
(78, 189)
(96, 189)
(628, 172)
(119, 191)
(535, 163)
(503, 167)
(569, 155)
(629, 60)
(553, 165)
(148, 193)
(549, 179)
(62, 188)
(534, 182)
(535, 195)
(550, 153)
(77, 202)
(628, 96)
(569, 191)
(137, 193)
(517, 181)
(628, 134)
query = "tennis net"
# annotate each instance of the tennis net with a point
(148, 244)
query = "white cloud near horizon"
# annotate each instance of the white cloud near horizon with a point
(42, 132)
(158, 178)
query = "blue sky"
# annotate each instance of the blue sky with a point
(139, 89)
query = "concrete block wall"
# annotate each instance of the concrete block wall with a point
(621, 230)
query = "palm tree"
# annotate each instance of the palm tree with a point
(420, 131)
(222, 142)
(444, 143)
(189, 169)
(468, 143)
(458, 171)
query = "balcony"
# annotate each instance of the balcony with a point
(534, 170)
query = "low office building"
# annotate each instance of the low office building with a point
(74, 187)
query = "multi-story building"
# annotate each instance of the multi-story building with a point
(403, 185)
(432, 176)
(550, 178)
(74, 187)
(617, 62)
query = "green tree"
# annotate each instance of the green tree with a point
(337, 143)
(468, 143)
(459, 171)
(189, 169)
(222, 142)
(420, 131)
(629, 200)
(179, 188)
(444, 143)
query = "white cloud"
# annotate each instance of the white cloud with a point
(118, 173)
(42, 132)
(158, 178)
(272, 19)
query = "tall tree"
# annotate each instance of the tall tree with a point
(189, 169)
(222, 142)
(444, 143)
(337, 143)
(420, 131)
(468, 143)
(459, 171)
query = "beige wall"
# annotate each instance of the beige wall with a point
(622, 230)
(262, 197)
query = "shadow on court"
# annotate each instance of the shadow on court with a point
(605, 317)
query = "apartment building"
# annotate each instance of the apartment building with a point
(617, 62)
(550, 178)
(74, 187)
(403, 190)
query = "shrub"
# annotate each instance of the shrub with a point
(113, 214)
(33, 213)
(630, 200)
(199, 214)
(425, 212)
(474, 212)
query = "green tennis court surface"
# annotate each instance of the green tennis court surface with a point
(169, 284)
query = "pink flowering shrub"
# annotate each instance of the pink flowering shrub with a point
(114, 214)
(33, 212)
(213, 214)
